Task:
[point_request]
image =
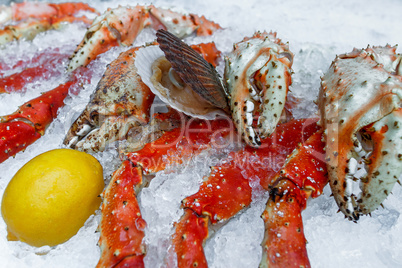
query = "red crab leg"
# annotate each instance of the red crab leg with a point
(121, 226)
(226, 191)
(180, 143)
(37, 113)
(303, 175)
(34, 18)
(23, 11)
(15, 137)
(48, 67)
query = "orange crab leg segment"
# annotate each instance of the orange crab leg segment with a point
(303, 175)
(42, 110)
(33, 18)
(23, 11)
(15, 137)
(188, 240)
(121, 225)
(33, 116)
(180, 143)
(285, 244)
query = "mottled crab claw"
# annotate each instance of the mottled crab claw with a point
(258, 75)
(120, 102)
(360, 104)
(182, 78)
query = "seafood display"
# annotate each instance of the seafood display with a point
(162, 104)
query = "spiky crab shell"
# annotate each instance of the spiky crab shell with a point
(359, 101)
(257, 74)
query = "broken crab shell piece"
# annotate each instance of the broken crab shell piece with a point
(156, 72)
(360, 104)
(258, 76)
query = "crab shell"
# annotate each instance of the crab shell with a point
(360, 100)
(258, 76)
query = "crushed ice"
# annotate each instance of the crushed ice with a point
(316, 31)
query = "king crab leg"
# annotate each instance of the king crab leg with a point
(303, 175)
(226, 191)
(121, 226)
(48, 64)
(33, 18)
(120, 26)
(23, 127)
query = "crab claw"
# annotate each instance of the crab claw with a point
(360, 104)
(121, 101)
(120, 26)
(258, 75)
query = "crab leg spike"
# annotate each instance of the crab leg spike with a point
(121, 226)
(303, 175)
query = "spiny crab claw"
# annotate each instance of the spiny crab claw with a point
(360, 105)
(120, 102)
(258, 76)
(120, 26)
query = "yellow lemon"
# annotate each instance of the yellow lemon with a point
(49, 199)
